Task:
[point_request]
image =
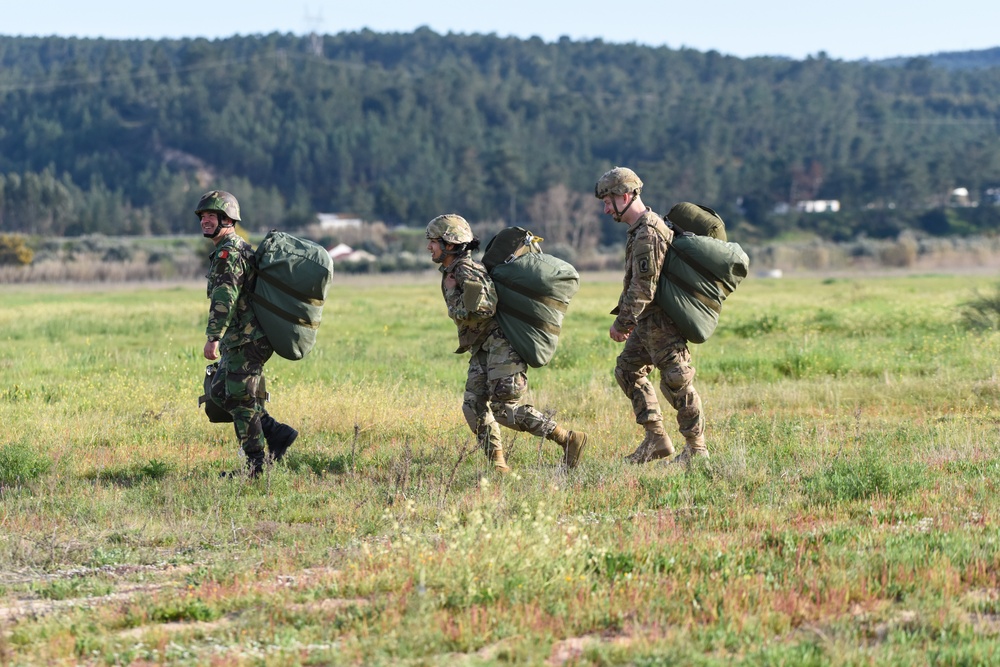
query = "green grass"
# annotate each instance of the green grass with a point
(848, 514)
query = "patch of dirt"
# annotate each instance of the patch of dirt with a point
(175, 627)
(328, 605)
(34, 606)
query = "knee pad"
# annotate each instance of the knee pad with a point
(677, 377)
(505, 414)
(509, 389)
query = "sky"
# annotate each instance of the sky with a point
(844, 29)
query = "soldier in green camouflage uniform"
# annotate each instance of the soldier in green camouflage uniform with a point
(497, 380)
(238, 383)
(650, 336)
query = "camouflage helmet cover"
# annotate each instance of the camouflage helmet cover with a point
(618, 181)
(219, 200)
(450, 228)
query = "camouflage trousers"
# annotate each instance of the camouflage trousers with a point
(497, 381)
(655, 342)
(236, 388)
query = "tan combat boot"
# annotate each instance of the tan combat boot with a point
(496, 457)
(572, 442)
(656, 445)
(694, 450)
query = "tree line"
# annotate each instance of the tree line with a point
(120, 137)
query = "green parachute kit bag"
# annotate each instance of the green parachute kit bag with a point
(533, 293)
(697, 219)
(293, 276)
(699, 272)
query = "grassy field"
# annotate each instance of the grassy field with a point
(848, 515)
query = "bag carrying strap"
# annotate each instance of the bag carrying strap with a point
(697, 266)
(547, 327)
(291, 291)
(528, 244)
(702, 298)
(555, 304)
(700, 268)
(284, 314)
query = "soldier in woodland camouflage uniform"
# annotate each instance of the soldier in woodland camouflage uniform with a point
(238, 383)
(497, 379)
(651, 338)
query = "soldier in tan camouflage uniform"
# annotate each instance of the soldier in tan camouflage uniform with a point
(497, 380)
(237, 385)
(651, 338)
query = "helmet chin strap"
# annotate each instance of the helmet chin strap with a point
(218, 228)
(457, 250)
(618, 214)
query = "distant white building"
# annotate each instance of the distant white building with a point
(337, 220)
(960, 197)
(340, 251)
(345, 253)
(818, 206)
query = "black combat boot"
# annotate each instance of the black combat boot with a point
(253, 467)
(279, 436)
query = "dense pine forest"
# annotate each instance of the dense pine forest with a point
(120, 137)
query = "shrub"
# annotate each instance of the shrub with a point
(20, 463)
(14, 250)
(983, 311)
(863, 478)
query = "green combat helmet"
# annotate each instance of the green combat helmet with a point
(218, 200)
(618, 181)
(450, 228)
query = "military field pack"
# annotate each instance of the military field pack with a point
(215, 388)
(533, 293)
(293, 276)
(700, 270)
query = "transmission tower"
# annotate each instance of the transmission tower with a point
(314, 22)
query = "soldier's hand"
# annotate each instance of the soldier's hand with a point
(617, 335)
(212, 350)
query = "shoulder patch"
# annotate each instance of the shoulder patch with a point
(224, 254)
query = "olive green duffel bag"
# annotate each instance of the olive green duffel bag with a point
(215, 389)
(293, 276)
(533, 293)
(699, 271)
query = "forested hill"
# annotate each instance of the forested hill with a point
(122, 136)
(954, 60)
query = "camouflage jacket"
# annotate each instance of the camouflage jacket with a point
(231, 279)
(645, 250)
(471, 303)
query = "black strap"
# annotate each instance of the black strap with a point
(277, 284)
(706, 300)
(547, 327)
(285, 315)
(549, 301)
(705, 273)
